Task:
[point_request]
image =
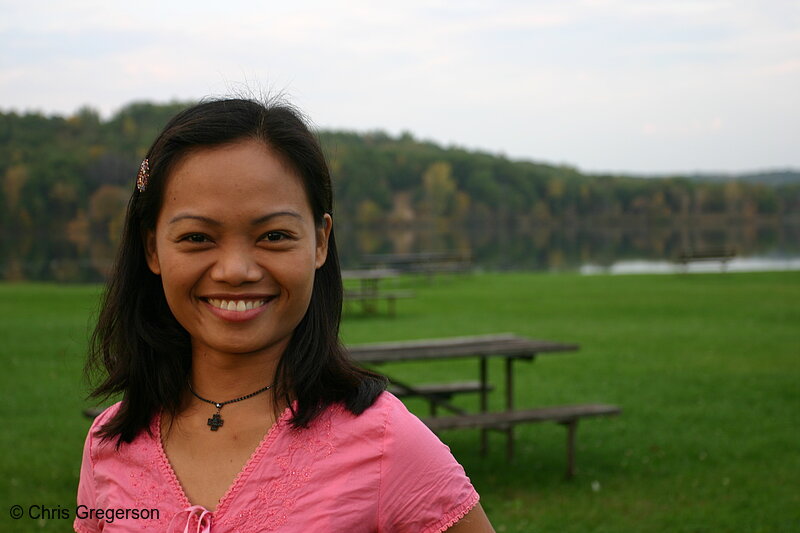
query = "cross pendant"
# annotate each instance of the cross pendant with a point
(215, 421)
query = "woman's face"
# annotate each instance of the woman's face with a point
(237, 248)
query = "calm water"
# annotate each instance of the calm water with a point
(739, 264)
(590, 250)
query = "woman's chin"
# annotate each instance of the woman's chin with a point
(246, 346)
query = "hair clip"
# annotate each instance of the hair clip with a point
(144, 175)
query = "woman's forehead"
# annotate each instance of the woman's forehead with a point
(242, 172)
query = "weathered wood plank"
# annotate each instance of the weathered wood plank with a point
(505, 345)
(443, 389)
(721, 253)
(560, 414)
(370, 274)
(356, 295)
(567, 415)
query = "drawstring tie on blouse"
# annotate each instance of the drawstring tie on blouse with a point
(198, 512)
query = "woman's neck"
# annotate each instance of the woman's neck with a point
(221, 377)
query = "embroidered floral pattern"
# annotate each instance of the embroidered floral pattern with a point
(295, 468)
(149, 492)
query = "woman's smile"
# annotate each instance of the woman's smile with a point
(235, 305)
(237, 309)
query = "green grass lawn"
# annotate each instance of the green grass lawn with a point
(706, 368)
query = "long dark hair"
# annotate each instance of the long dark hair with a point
(140, 349)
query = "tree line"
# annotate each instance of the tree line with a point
(74, 175)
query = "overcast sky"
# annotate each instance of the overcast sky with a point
(605, 85)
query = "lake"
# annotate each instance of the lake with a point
(590, 249)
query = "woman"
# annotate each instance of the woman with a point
(240, 410)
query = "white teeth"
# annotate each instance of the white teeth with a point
(236, 305)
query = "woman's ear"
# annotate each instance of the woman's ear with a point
(323, 234)
(151, 252)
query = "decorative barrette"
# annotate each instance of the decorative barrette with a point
(144, 175)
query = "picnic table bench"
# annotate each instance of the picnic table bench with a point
(567, 415)
(443, 391)
(508, 346)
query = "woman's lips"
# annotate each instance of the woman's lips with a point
(237, 310)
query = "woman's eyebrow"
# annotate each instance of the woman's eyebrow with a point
(265, 218)
(185, 216)
(255, 222)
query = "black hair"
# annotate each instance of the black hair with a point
(139, 347)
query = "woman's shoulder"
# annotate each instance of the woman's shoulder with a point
(107, 413)
(388, 402)
(102, 445)
(396, 414)
(102, 419)
(95, 442)
(388, 423)
(386, 416)
(384, 409)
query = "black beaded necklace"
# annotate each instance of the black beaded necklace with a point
(216, 421)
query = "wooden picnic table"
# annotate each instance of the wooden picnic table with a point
(369, 291)
(369, 276)
(722, 254)
(428, 263)
(506, 345)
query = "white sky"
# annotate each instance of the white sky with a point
(605, 85)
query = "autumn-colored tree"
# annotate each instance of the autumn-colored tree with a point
(439, 189)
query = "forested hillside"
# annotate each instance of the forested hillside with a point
(75, 173)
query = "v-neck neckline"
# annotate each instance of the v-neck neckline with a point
(241, 477)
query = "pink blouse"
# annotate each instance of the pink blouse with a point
(382, 471)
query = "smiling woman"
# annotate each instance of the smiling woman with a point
(219, 327)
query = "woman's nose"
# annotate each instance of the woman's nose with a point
(236, 266)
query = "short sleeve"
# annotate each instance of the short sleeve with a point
(86, 484)
(422, 487)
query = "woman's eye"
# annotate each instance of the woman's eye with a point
(196, 238)
(274, 236)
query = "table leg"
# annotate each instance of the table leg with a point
(572, 427)
(369, 289)
(510, 406)
(484, 372)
